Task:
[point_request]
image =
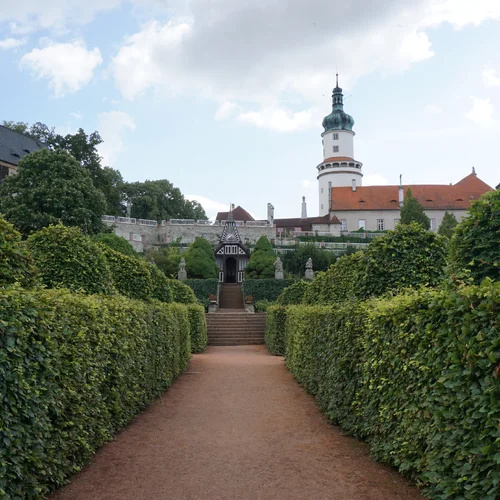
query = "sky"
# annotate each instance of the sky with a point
(225, 98)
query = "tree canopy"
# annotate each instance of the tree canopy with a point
(200, 260)
(448, 225)
(295, 262)
(167, 259)
(413, 211)
(262, 259)
(50, 187)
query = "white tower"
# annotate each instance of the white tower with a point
(338, 168)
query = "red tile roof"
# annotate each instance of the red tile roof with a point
(238, 214)
(337, 158)
(432, 197)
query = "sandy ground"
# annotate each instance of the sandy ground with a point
(235, 426)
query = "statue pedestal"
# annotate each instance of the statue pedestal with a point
(249, 308)
(309, 274)
(182, 275)
(212, 307)
(278, 275)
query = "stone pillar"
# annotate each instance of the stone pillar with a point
(278, 269)
(182, 274)
(309, 270)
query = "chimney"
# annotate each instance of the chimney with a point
(270, 214)
(354, 184)
(304, 208)
(401, 191)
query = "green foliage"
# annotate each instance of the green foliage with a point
(167, 259)
(160, 200)
(16, 263)
(476, 242)
(67, 258)
(75, 369)
(295, 262)
(417, 375)
(409, 256)
(262, 259)
(261, 306)
(161, 285)
(275, 336)
(339, 284)
(293, 294)
(413, 211)
(132, 276)
(50, 187)
(200, 260)
(203, 289)
(265, 289)
(117, 243)
(197, 327)
(182, 293)
(448, 225)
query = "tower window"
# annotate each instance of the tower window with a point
(335, 137)
(321, 190)
(335, 149)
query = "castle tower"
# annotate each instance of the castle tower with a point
(338, 168)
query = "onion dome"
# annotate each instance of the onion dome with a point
(338, 119)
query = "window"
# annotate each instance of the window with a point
(335, 137)
(433, 224)
(322, 206)
(362, 224)
(343, 224)
(335, 149)
(4, 172)
(380, 225)
(321, 190)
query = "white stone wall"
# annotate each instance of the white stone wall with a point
(338, 177)
(389, 216)
(345, 142)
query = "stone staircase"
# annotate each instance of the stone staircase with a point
(231, 324)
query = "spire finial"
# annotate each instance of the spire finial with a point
(337, 79)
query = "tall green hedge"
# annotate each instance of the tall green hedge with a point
(66, 258)
(275, 335)
(417, 375)
(161, 287)
(293, 294)
(181, 293)
(203, 288)
(74, 369)
(198, 327)
(265, 289)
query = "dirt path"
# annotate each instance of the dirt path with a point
(235, 426)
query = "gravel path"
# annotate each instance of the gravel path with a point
(235, 426)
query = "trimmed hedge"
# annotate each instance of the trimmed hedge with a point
(161, 287)
(74, 369)
(131, 276)
(417, 375)
(275, 335)
(261, 306)
(265, 289)
(66, 258)
(198, 327)
(203, 288)
(293, 294)
(181, 293)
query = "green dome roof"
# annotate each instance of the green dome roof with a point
(338, 119)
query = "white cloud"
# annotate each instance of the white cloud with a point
(11, 43)
(67, 66)
(225, 110)
(76, 116)
(282, 120)
(432, 109)
(490, 78)
(211, 207)
(306, 183)
(376, 180)
(481, 112)
(112, 126)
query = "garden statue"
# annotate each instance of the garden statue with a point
(182, 274)
(309, 269)
(278, 269)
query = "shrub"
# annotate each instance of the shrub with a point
(275, 335)
(16, 263)
(198, 327)
(339, 284)
(262, 259)
(117, 243)
(167, 259)
(293, 294)
(66, 258)
(181, 293)
(161, 287)
(265, 289)
(409, 256)
(416, 375)
(261, 306)
(200, 260)
(475, 245)
(75, 369)
(131, 276)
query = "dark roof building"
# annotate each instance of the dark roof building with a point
(239, 214)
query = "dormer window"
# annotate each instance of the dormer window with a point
(335, 137)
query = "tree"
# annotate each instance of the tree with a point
(50, 187)
(413, 211)
(167, 259)
(262, 259)
(447, 226)
(475, 245)
(117, 243)
(200, 260)
(160, 200)
(295, 262)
